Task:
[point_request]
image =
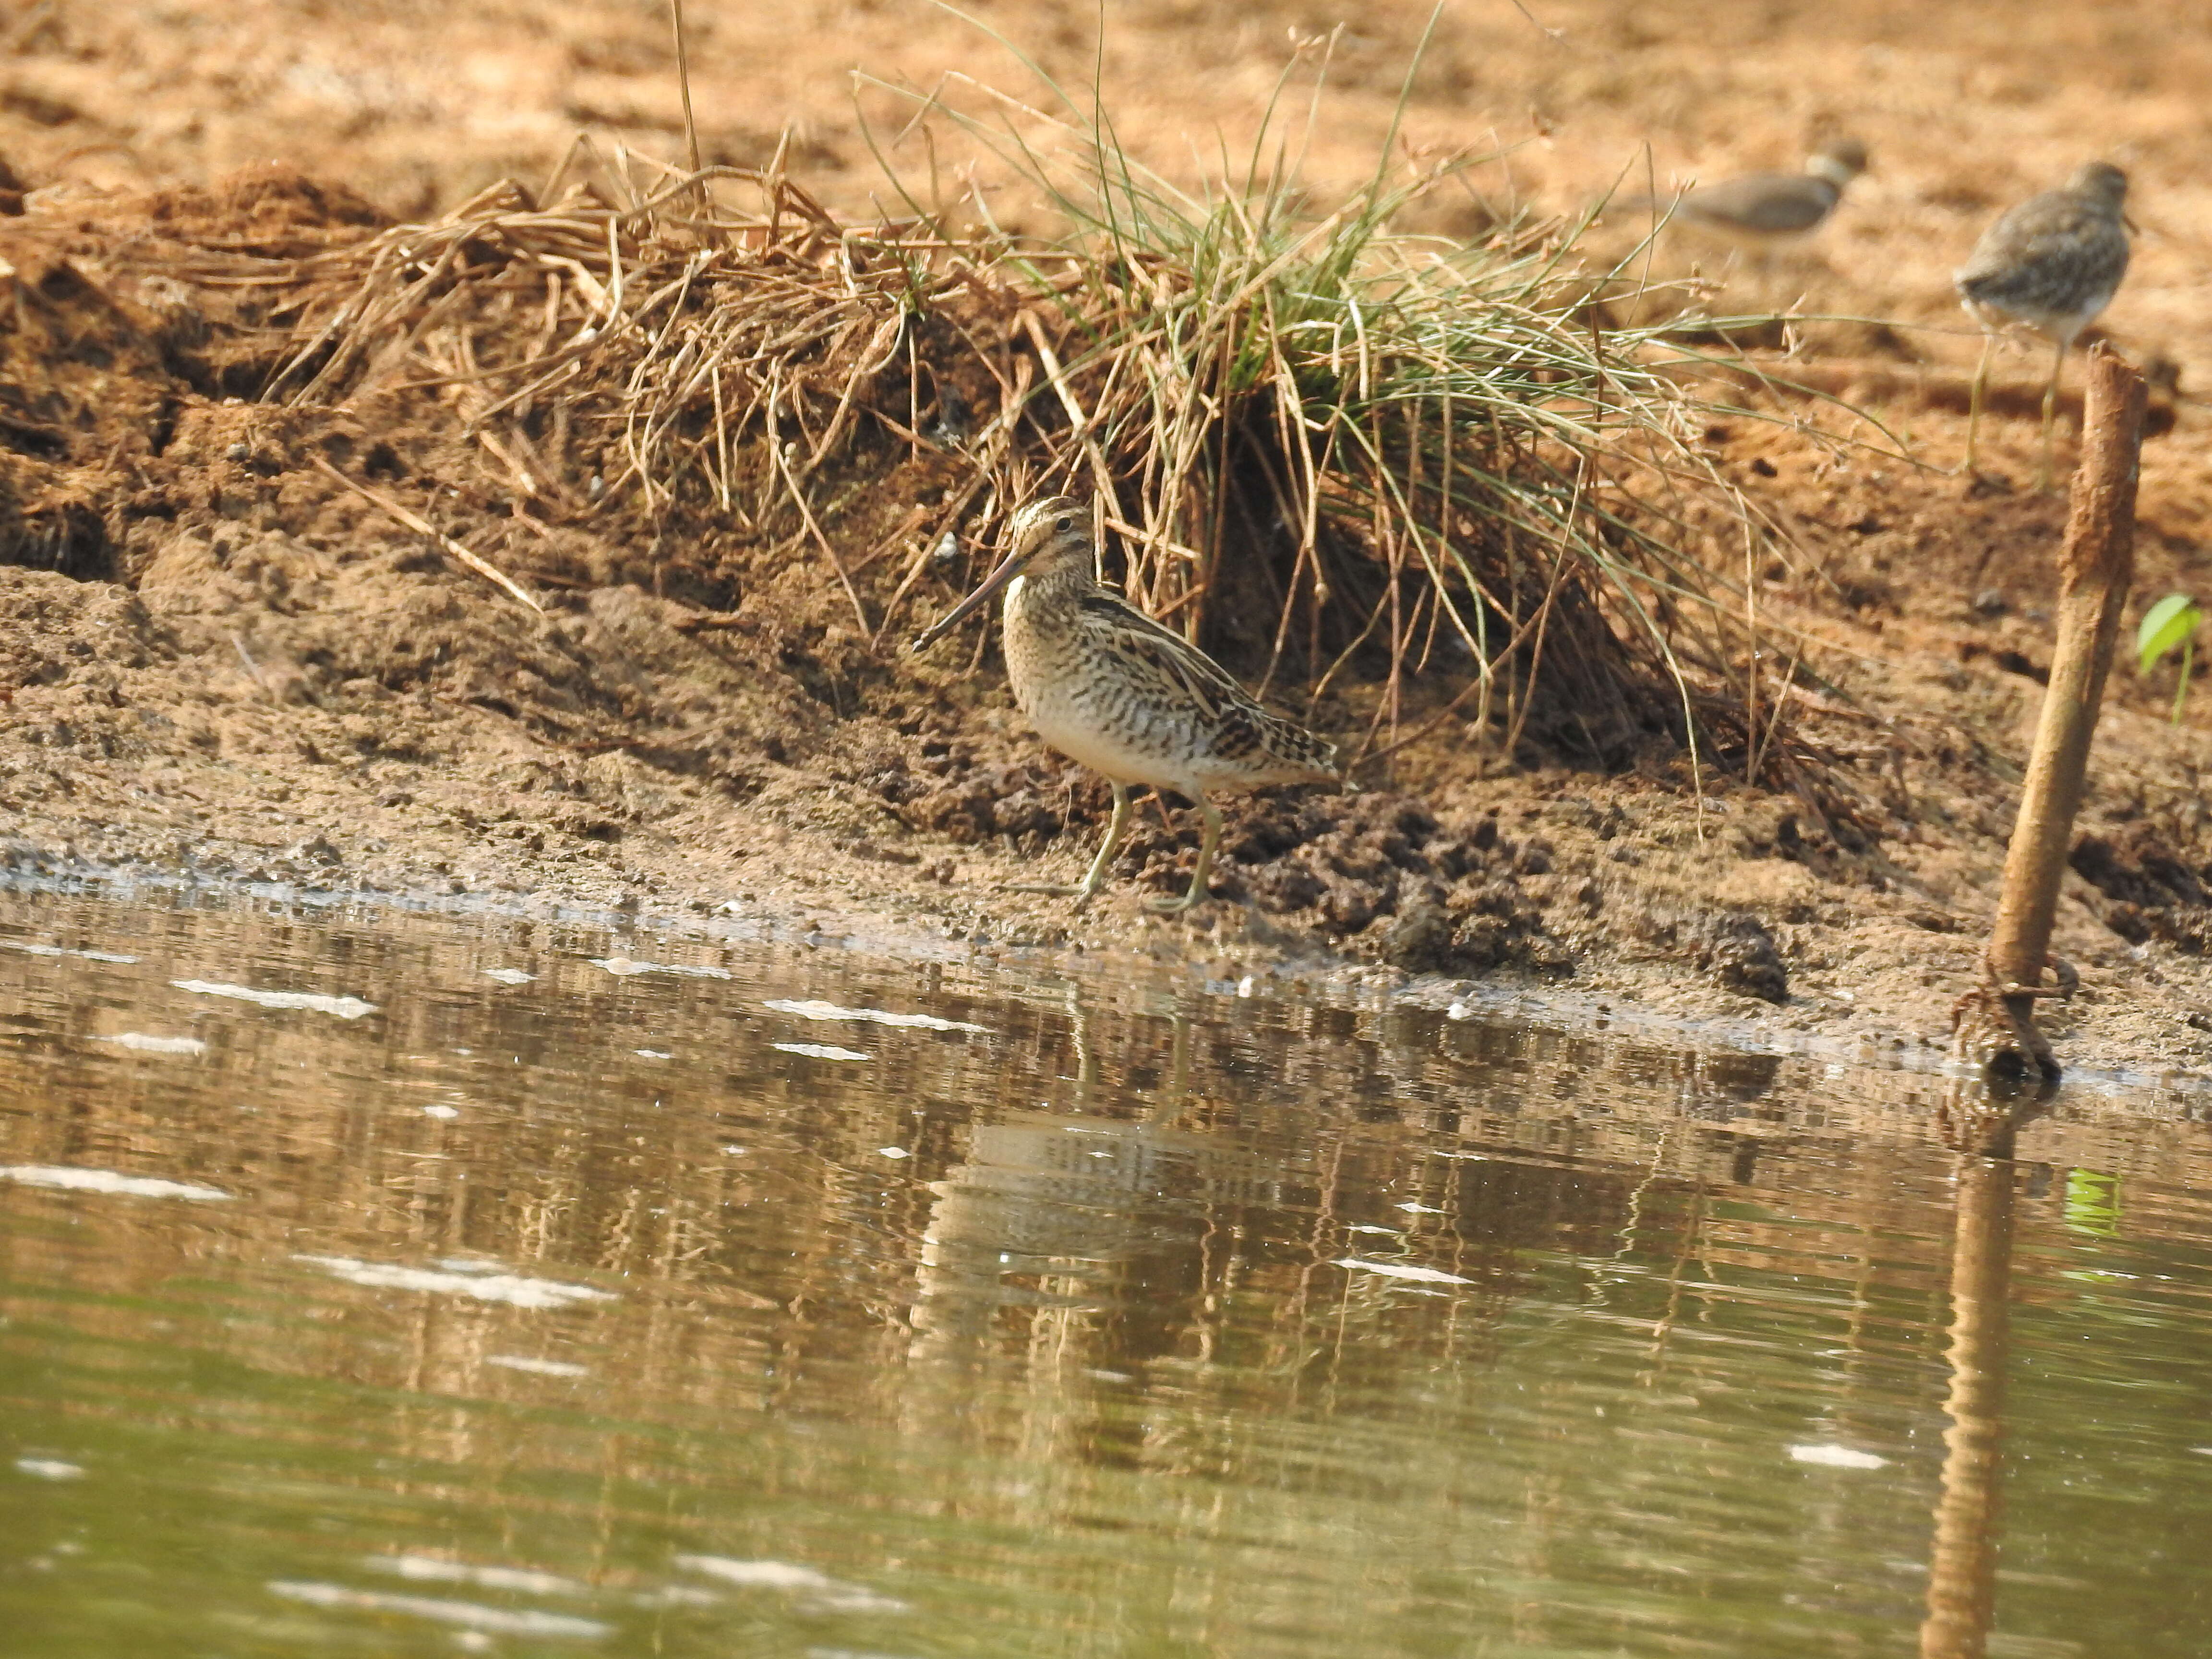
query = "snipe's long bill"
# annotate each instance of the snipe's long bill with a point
(1114, 690)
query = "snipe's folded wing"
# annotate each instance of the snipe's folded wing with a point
(1169, 671)
(1170, 668)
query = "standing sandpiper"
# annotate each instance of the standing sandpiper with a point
(1108, 687)
(2051, 264)
(1763, 211)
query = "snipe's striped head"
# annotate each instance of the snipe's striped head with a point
(1049, 534)
(1043, 536)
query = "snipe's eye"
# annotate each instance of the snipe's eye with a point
(1064, 523)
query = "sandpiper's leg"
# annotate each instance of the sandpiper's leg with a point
(2049, 409)
(1974, 398)
(1093, 877)
(1207, 841)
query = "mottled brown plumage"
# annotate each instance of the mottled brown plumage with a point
(1108, 687)
(2051, 264)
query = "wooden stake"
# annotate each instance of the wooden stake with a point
(2095, 568)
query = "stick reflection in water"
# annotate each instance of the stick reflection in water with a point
(1962, 1559)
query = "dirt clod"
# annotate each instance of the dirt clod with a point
(1741, 955)
(2154, 894)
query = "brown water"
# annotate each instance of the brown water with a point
(576, 1316)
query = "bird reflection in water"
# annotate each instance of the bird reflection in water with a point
(1090, 1223)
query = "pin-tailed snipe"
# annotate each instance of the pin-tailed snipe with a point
(1108, 687)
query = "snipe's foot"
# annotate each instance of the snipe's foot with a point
(1081, 893)
(1175, 906)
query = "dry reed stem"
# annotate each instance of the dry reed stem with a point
(483, 567)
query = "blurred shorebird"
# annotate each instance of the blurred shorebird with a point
(2050, 263)
(1761, 212)
(1108, 687)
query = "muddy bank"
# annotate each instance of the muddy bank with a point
(218, 655)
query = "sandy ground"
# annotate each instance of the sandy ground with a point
(1966, 107)
(225, 663)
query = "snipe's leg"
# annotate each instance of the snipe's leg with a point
(1974, 399)
(2050, 409)
(1096, 876)
(1210, 840)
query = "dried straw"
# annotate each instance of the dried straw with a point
(1413, 475)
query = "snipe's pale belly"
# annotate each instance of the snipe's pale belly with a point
(1129, 744)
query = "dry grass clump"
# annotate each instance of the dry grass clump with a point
(1407, 472)
(651, 350)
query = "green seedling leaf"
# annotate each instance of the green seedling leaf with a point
(2166, 627)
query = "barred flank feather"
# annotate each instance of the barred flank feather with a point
(1108, 686)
